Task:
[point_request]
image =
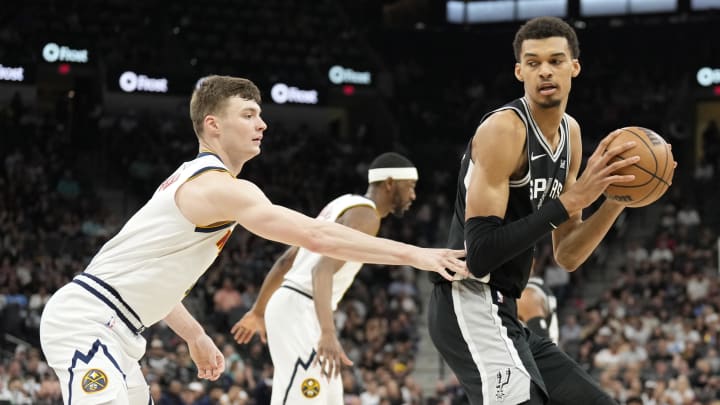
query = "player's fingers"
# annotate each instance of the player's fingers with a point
(459, 253)
(618, 149)
(603, 145)
(460, 267)
(620, 179)
(455, 265)
(445, 274)
(619, 164)
(345, 359)
(331, 366)
(239, 336)
(263, 337)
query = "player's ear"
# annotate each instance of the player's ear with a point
(211, 122)
(517, 72)
(575, 67)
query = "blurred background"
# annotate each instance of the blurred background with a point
(94, 115)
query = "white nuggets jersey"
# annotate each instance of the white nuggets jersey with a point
(300, 275)
(159, 255)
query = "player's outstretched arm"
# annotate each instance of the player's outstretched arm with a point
(254, 320)
(208, 358)
(576, 239)
(215, 196)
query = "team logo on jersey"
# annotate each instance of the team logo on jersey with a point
(503, 378)
(310, 388)
(94, 381)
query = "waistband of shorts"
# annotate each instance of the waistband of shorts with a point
(105, 293)
(294, 287)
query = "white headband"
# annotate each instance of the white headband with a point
(397, 173)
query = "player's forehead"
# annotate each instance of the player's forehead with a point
(237, 104)
(546, 47)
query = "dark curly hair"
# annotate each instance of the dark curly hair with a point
(546, 27)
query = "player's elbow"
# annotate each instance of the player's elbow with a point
(316, 241)
(569, 262)
(480, 261)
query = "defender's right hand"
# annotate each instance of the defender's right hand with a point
(440, 261)
(331, 356)
(247, 326)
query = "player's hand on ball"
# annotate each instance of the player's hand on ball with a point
(247, 326)
(440, 261)
(330, 355)
(600, 172)
(208, 359)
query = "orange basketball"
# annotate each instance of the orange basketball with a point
(653, 173)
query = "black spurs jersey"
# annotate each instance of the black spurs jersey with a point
(543, 180)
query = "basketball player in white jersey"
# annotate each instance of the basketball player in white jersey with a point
(90, 328)
(297, 299)
(537, 308)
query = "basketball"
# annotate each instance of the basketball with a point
(653, 173)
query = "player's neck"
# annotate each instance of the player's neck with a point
(548, 120)
(381, 205)
(233, 165)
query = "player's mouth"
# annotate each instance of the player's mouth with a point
(547, 89)
(258, 139)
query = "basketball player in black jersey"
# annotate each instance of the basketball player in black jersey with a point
(528, 148)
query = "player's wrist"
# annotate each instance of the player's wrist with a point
(572, 203)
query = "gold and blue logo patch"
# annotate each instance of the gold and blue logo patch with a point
(95, 380)
(310, 388)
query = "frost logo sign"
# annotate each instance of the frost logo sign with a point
(281, 93)
(339, 75)
(130, 82)
(12, 74)
(53, 52)
(707, 76)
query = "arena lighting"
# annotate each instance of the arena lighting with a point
(53, 52)
(348, 89)
(12, 74)
(63, 69)
(130, 82)
(281, 93)
(707, 76)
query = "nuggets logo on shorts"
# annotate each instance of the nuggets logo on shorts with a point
(94, 381)
(310, 388)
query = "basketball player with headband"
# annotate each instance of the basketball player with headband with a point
(297, 299)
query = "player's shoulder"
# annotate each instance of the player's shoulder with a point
(573, 124)
(363, 217)
(503, 127)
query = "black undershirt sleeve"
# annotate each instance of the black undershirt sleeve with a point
(489, 243)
